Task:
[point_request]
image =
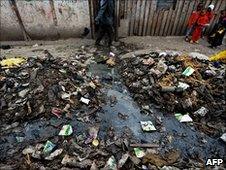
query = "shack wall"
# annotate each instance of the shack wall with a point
(159, 17)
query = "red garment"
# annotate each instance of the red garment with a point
(201, 22)
(193, 18)
(210, 15)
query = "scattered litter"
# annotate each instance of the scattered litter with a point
(95, 142)
(147, 126)
(112, 54)
(189, 71)
(223, 137)
(183, 86)
(48, 147)
(57, 112)
(12, 62)
(19, 139)
(139, 152)
(66, 130)
(111, 61)
(54, 154)
(183, 118)
(111, 164)
(202, 111)
(84, 100)
(123, 160)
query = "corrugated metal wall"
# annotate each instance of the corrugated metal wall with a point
(147, 17)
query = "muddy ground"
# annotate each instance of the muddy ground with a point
(121, 118)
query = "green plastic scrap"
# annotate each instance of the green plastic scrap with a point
(139, 152)
(48, 147)
(189, 71)
(66, 130)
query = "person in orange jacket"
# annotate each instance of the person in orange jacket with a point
(200, 24)
(210, 15)
(192, 20)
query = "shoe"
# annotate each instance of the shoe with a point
(192, 42)
(196, 42)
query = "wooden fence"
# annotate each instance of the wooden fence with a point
(155, 17)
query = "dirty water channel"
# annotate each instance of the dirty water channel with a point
(170, 134)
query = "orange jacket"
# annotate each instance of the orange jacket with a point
(193, 18)
(202, 20)
(209, 15)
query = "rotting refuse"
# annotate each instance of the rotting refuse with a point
(77, 119)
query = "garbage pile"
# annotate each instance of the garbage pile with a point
(44, 86)
(181, 85)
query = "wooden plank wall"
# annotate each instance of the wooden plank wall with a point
(146, 19)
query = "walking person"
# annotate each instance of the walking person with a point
(192, 21)
(200, 24)
(105, 20)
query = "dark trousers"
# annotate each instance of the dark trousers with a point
(105, 29)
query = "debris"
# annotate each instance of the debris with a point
(183, 86)
(150, 61)
(19, 139)
(93, 131)
(147, 126)
(111, 164)
(183, 118)
(28, 150)
(144, 145)
(159, 160)
(48, 147)
(202, 111)
(112, 54)
(12, 62)
(94, 166)
(91, 84)
(111, 61)
(54, 154)
(57, 112)
(84, 100)
(123, 160)
(223, 137)
(139, 152)
(219, 57)
(66, 130)
(95, 142)
(189, 71)
(23, 93)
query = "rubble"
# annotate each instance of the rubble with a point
(69, 99)
(177, 84)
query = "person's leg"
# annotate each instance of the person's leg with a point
(101, 33)
(196, 35)
(110, 34)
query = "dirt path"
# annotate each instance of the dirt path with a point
(171, 43)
